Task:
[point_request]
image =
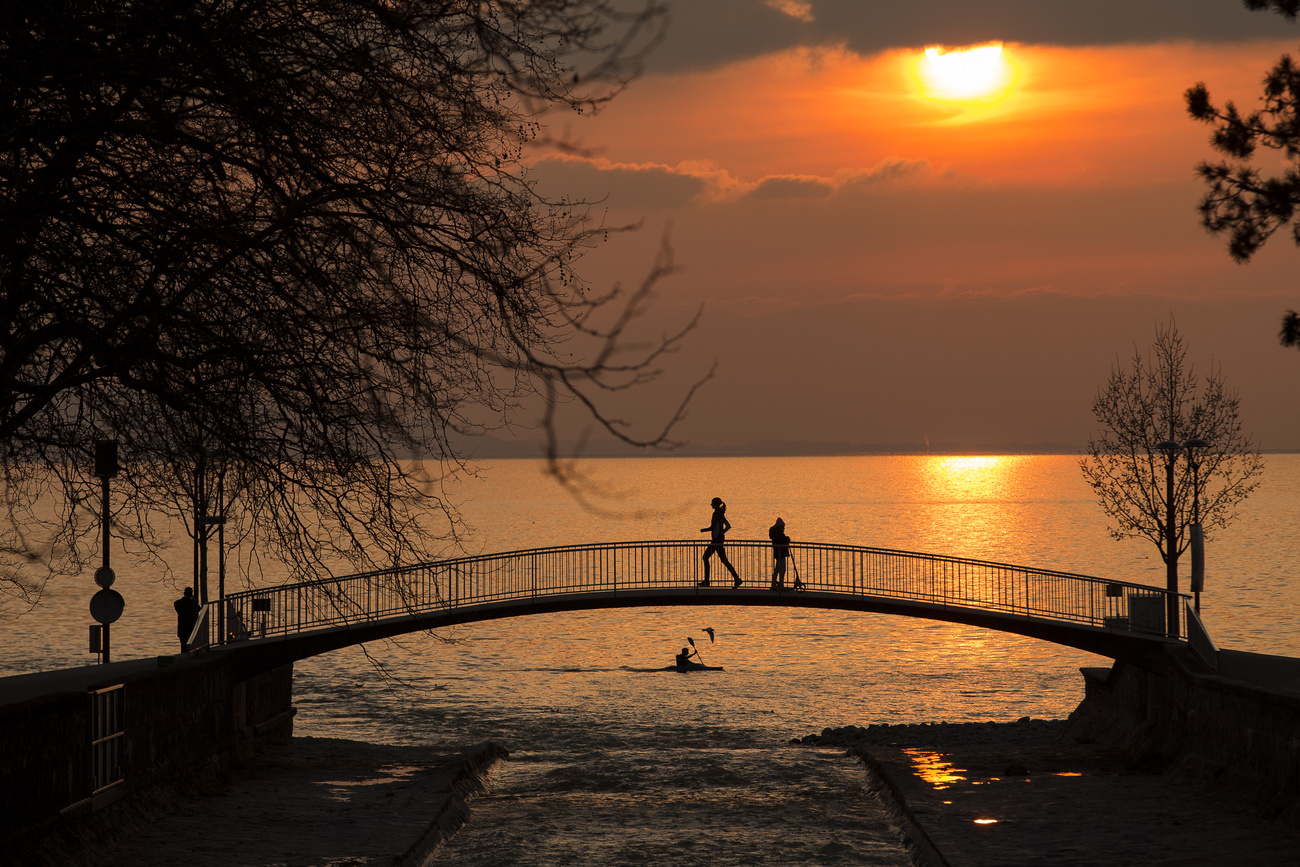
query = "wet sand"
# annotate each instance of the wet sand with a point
(319, 801)
(1055, 801)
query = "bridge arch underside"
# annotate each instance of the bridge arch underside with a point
(1141, 649)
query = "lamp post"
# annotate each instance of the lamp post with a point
(209, 512)
(1198, 538)
(1171, 449)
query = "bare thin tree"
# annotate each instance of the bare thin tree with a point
(1148, 492)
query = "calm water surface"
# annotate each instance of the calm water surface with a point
(615, 765)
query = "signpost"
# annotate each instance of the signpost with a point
(107, 604)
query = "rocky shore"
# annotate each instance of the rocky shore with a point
(1037, 792)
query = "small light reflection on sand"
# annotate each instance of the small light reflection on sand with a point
(986, 821)
(931, 768)
(1068, 774)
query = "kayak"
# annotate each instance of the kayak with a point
(693, 666)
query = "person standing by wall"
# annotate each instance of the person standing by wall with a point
(187, 614)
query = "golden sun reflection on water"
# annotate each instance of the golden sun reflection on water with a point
(982, 505)
(931, 768)
(972, 477)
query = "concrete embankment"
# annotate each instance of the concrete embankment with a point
(80, 766)
(1172, 765)
(321, 801)
(202, 768)
(451, 810)
(1236, 729)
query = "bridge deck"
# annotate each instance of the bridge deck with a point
(1112, 618)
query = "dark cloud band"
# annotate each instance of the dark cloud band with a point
(707, 33)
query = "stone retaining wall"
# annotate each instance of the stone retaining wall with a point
(1204, 728)
(42, 763)
(185, 725)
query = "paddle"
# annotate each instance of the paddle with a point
(798, 585)
(696, 649)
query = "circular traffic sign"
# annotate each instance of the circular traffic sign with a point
(104, 577)
(106, 606)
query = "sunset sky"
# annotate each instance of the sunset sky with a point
(880, 264)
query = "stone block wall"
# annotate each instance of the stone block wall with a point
(1203, 728)
(185, 725)
(44, 765)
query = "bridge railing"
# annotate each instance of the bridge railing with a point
(620, 567)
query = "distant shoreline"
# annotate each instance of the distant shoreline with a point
(501, 450)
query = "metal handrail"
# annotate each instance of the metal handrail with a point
(1198, 638)
(200, 634)
(106, 737)
(457, 583)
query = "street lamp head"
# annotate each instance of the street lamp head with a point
(1197, 443)
(106, 465)
(1169, 446)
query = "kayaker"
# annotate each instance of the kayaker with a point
(684, 658)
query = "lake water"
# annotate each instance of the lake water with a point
(612, 765)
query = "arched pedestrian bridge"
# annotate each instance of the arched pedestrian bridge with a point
(1112, 618)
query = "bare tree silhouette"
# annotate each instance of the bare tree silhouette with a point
(1160, 399)
(292, 246)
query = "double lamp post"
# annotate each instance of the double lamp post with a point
(1171, 450)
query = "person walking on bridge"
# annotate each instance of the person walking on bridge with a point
(718, 527)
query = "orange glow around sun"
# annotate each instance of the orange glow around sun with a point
(980, 74)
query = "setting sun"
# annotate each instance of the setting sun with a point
(980, 73)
